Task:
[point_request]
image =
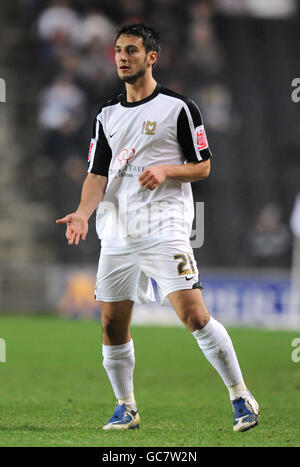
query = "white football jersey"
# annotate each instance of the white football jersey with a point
(164, 128)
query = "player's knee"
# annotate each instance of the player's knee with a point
(193, 318)
(113, 330)
(109, 325)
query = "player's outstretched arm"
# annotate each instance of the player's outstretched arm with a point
(77, 227)
(92, 193)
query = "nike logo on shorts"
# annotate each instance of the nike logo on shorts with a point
(113, 134)
(189, 278)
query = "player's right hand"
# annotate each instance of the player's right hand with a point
(77, 227)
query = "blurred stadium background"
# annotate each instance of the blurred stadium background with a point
(237, 59)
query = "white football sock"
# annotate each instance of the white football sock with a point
(217, 347)
(238, 390)
(118, 361)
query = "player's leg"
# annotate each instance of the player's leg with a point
(117, 277)
(217, 347)
(115, 320)
(211, 336)
(117, 348)
(174, 268)
(118, 361)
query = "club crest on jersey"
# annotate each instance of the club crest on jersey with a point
(149, 128)
(201, 138)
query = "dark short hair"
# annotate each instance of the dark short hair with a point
(149, 35)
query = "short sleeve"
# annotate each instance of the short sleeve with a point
(191, 133)
(99, 151)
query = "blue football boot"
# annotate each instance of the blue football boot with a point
(123, 418)
(245, 413)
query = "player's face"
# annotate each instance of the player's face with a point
(131, 58)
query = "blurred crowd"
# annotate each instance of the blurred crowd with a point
(74, 49)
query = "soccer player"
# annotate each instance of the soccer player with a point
(148, 145)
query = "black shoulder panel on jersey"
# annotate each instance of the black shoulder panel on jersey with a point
(113, 101)
(184, 134)
(102, 155)
(169, 92)
(195, 112)
(95, 124)
(185, 138)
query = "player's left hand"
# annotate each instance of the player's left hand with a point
(152, 177)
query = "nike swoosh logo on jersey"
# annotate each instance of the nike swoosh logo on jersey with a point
(113, 134)
(189, 278)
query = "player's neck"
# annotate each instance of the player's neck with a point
(141, 89)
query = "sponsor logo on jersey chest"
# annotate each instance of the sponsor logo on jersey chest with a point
(126, 154)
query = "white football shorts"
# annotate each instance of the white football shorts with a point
(128, 276)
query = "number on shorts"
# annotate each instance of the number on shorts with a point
(186, 265)
(191, 264)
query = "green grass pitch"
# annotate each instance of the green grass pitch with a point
(54, 391)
